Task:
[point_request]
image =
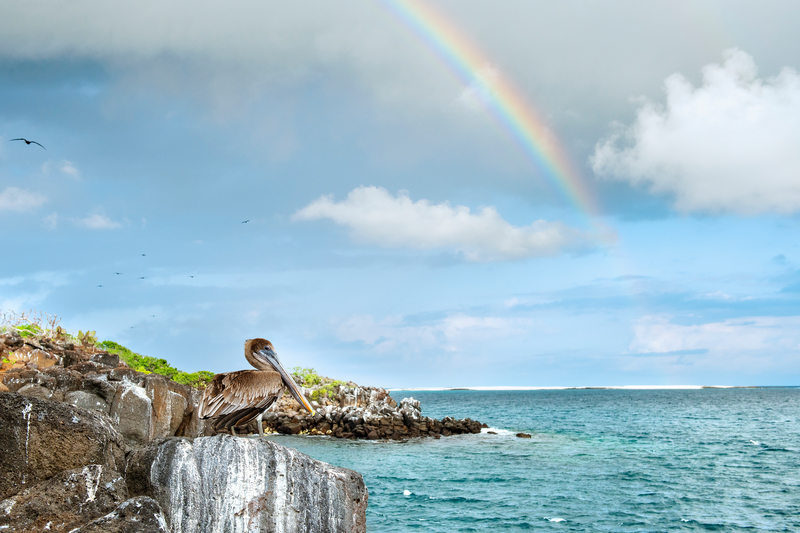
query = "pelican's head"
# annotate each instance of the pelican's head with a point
(261, 354)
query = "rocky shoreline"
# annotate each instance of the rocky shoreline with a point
(92, 445)
(149, 406)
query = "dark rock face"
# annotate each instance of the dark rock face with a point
(65, 501)
(41, 438)
(236, 484)
(137, 515)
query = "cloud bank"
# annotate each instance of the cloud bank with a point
(730, 145)
(450, 334)
(15, 199)
(97, 222)
(375, 216)
(658, 335)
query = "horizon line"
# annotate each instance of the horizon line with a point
(588, 387)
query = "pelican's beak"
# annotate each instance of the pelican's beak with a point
(288, 381)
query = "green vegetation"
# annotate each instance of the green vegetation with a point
(29, 330)
(326, 390)
(308, 377)
(143, 363)
(87, 339)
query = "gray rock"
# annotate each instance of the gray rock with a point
(40, 438)
(137, 515)
(100, 386)
(65, 501)
(85, 400)
(132, 412)
(236, 484)
(32, 390)
(106, 359)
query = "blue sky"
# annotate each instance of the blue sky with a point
(396, 236)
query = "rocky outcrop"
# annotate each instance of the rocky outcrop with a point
(147, 407)
(68, 416)
(234, 484)
(137, 515)
(143, 407)
(41, 438)
(65, 501)
(365, 414)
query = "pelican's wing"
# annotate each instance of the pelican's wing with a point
(34, 142)
(235, 391)
(20, 139)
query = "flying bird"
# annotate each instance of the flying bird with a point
(144, 255)
(27, 141)
(99, 285)
(236, 398)
(245, 221)
(118, 273)
(142, 277)
(191, 276)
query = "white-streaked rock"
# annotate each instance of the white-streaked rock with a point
(235, 484)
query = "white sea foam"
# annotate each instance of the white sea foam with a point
(406, 492)
(498, 431)
(555, 519)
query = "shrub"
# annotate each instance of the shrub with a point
(307, 377)
(146, 364)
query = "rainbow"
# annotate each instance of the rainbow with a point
(501, 98)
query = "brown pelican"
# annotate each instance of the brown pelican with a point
(236, 398)
(27, 141)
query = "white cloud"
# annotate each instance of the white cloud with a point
(51, 221)
(97, 222)
(479, 92)
(14, 199)
(451, 334)
(729, 145)
(68, 168)
(658, 335)
(375, 216)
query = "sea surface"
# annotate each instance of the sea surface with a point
(598, 460)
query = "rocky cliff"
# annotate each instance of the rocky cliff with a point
(147, 407)
(63, 468)
(85, 447)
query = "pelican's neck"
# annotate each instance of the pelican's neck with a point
(253, 356)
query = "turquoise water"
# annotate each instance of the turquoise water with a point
(599, 460)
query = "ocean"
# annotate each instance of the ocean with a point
(598, 460)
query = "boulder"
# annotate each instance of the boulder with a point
(168, 406)
(32, 390)
(137, 515)
(65, 501)
(132, 413)
(41, 438)
(106, 359)
(237, 484)
(85, 400)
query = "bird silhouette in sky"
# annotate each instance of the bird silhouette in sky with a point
(99, 285)
(27, 141)
(142, 277)
(245, 221)
(144, 255)
(191, 276)
(118, 273)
